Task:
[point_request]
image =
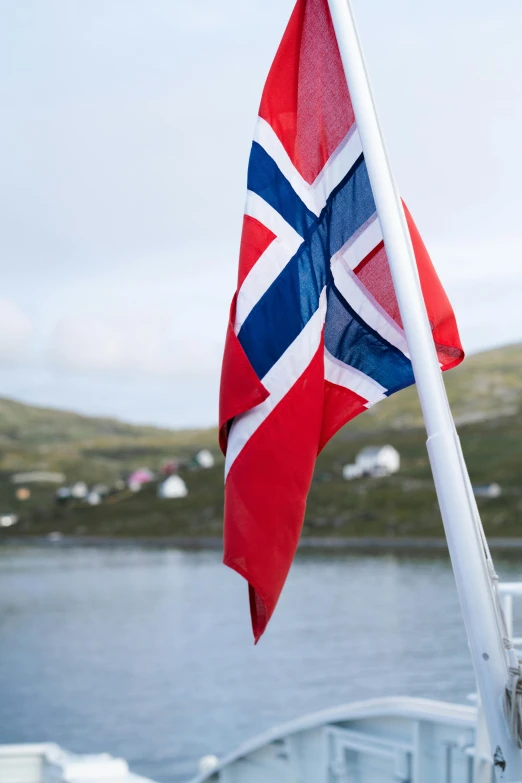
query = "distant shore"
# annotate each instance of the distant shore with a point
(309, 543)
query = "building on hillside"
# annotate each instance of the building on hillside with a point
(487, 491)
(204, 459)
(351, 472)
(63, 495)
(38, 477)
(7, 520)
(93, 498)
(172, 487)
(23, 493)
(138, 478)
(170, 467)
(378, 460)
(374, 461)
(79, 490)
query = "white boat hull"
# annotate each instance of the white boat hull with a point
(393, 740)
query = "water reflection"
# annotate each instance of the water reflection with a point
(148, 654)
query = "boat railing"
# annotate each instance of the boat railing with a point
(508, 591)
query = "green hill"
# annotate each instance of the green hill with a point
(94, 449)
(485, 394)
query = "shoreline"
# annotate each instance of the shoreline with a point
(309, 543)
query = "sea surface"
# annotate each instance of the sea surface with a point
(148, 654)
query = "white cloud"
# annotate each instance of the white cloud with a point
(487, 311)
(160, 317)
(15, 332)
(471, 260)
(148, 341)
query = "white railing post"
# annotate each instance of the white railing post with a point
(449, 472)
(507, 604)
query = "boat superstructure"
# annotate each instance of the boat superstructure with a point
(390, 740)
(47, 762)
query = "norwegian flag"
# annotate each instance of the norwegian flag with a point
(315, 336)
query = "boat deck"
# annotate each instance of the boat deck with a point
(392, 740)
(49, 763)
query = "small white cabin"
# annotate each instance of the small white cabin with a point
(79, 490)
(351, 472)
(173, 487)
(487, 491)
(373, 461)
(378, 460)
(93, 498)
(7, 520)
(204, 459)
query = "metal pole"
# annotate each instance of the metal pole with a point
(508, 612)
(451, 481)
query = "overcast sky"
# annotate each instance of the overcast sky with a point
(125, 132)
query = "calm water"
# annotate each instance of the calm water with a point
(148, 654)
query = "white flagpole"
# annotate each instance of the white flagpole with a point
(450, 475)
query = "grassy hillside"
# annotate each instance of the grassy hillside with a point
(485, 395)
(93, 449)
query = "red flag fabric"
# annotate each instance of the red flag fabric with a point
(315, 335)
